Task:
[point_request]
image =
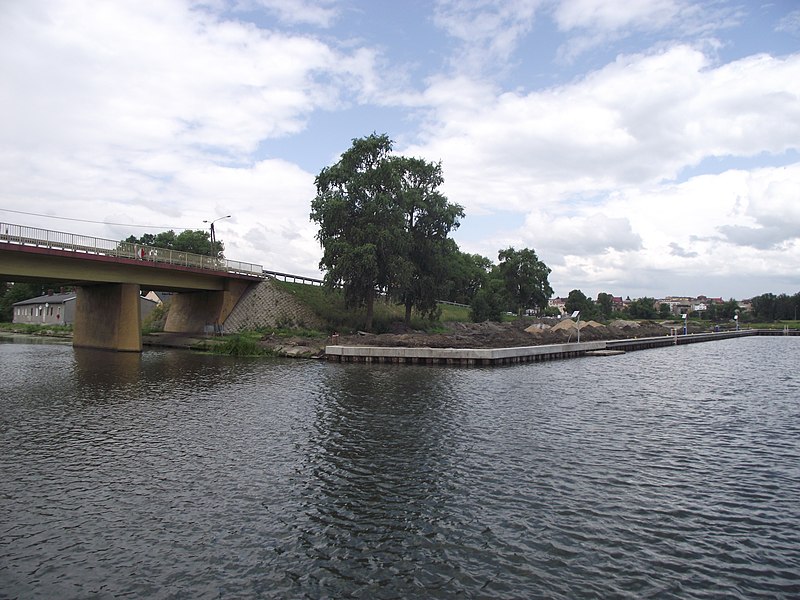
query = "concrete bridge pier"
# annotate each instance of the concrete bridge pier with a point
(108, 317)
(193, 312)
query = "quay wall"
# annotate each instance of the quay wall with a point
(505, 356)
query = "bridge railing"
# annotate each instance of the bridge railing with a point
(294, 278)
(84, 244)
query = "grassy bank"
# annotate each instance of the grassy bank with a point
(61, 331)
(329, 307)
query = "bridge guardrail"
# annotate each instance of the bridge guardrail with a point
(84, 244)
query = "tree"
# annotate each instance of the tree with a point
(577, 300)
(764, 307)
(468, 274)
(489, 302)
(360, 223)
(643, 308)
(428, 219)
(384, 226)
(605, 305)
(196, 241)
(525, 278)
(664, 311)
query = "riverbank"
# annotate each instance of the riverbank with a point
(459, 335)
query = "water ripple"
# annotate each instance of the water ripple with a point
(670, 473)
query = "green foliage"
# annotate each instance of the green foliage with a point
(577, 300)
(37, 329)
(428, 218)
(156, 319)
(525, 279)
(642, 308)
(244, 344)
(468, 274)
(360, 223)
(769, 307)
(330, 307)
(605, 305)
(383, 228)
(552, 311)
(195, 241)
(489, 303)
(664, 311)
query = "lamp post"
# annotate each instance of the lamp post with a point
(577, 315)
(213, 236)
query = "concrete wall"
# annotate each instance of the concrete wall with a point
(108, 317)
(61, 313)
(198, 312)
(267, 305)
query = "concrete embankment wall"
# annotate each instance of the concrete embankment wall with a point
(267, 305)
(502, 356)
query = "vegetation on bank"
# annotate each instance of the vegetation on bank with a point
(239, 344)
(330, 306)
(61, 331)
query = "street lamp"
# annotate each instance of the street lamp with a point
(213, 236)
(577, 315)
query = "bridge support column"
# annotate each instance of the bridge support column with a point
(108, 317)
(193, 312)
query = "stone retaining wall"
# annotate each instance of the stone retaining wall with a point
(267, 305)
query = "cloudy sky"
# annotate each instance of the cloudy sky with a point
(641, 147)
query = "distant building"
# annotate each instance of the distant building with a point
(559, 303)
(159, 297)
(50, 309)
(58, 309)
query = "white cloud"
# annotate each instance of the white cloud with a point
(593, 23)
(146, 112)
(637, 121)
(489, 30)
(790, 23)
(321, 13)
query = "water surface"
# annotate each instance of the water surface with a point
(670, 473)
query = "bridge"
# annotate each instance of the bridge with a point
(108, 276)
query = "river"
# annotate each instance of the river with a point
(669, 473)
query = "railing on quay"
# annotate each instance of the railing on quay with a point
(84, 244)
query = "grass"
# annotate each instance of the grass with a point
(240, 344)
(35, 329)
(329, 307)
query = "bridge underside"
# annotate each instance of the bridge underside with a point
(197, 312)
(107, 313)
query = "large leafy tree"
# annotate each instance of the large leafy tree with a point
(360, 223)
(577, 300)
(468, 274)
(525, 278)
(605, 304)
(428, 219)
(489, 302)
(643, 308)
(383, 227)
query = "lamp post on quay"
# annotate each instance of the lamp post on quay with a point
(213, 235)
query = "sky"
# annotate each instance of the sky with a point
(640, 147)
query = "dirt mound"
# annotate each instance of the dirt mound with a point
(491, 335)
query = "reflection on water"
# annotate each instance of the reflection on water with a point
(672, 473)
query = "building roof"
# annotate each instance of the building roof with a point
(51, 298)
